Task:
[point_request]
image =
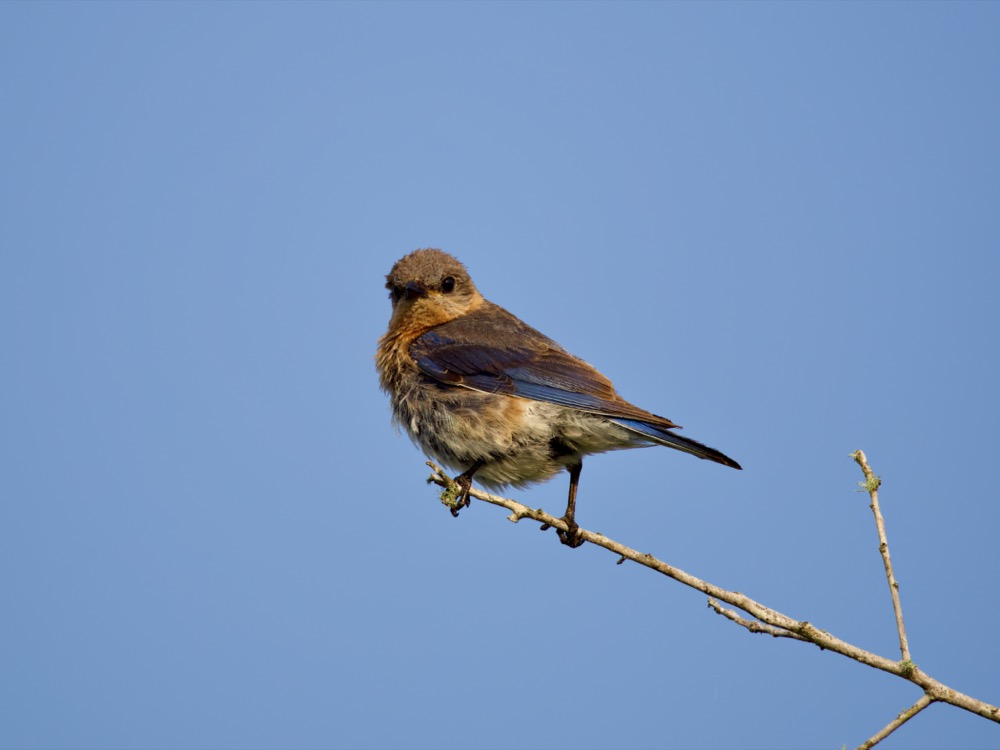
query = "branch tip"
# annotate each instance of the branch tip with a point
(871, 485)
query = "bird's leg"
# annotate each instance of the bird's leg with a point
(464, 482)
(571, 537)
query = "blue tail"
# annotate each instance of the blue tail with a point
(671, 439)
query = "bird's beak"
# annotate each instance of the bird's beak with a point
(413, 290)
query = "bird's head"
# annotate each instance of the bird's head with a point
(427, 288)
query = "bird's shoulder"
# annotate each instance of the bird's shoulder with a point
(493, 349)
(489, 326)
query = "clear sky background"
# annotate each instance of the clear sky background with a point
(776, 224)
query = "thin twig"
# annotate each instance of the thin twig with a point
(935, 689)
(892, 726)
(752, 625)
(872, 484)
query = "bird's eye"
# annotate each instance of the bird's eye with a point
(396, 292)
(448, 285)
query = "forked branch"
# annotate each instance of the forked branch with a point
(763, 619)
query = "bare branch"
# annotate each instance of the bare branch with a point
(779, 625)
(872, 484)
(892, 726)
(752, 625)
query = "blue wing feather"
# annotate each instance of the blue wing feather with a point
(492, 351)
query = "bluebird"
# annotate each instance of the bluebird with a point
(484, 393)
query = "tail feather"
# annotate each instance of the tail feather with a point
(671, 439)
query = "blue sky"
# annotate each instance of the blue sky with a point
(775, 224)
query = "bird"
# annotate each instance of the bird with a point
(484, 393)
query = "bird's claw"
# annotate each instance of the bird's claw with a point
(456, 495)
(571, 537)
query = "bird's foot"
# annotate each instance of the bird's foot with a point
(456, 495)
(571, 537)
